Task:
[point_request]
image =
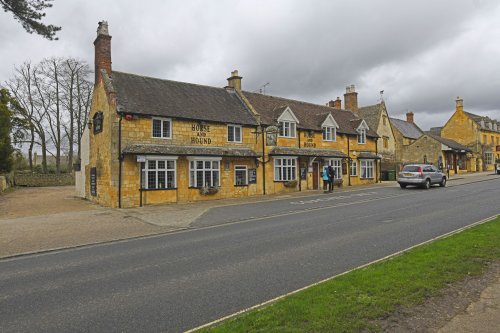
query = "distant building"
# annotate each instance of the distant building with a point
(481, 135)
(405, 133)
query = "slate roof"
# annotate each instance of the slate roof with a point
(364, 155)
(310, 116)
(156, 97)
(483, 121)
(408, 130)
(310, 152)
(450, 143)
(149, 149)
(371, 114)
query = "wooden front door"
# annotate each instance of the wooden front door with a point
(315, 166)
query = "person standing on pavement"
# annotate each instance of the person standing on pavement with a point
(331, 178)
(326, 179)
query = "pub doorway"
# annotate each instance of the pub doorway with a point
(315, 172)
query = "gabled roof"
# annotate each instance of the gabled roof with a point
(371, 114)
(407, 129)
(311, 116)
(156, 97)
(450, 143)
(483, 121)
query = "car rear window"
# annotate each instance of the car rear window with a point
(411, 168)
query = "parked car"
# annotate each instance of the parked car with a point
(423, 175)
(498, 168)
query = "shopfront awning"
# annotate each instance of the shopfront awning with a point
(366, 155)
(307, 152)
(147, 149)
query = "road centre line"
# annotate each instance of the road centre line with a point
(338, 197)
(274, 300)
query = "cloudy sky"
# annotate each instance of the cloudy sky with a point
(421, 53)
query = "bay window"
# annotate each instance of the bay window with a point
(204, 172)
(366, 168)
(159, 173)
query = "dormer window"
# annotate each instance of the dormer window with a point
(329, 127)
(287, 129)
(362, 128)
(287, 123)
(361, 136)
(329, 133)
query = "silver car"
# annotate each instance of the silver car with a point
(423, 175)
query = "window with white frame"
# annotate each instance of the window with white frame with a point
(240, 175)
(234, 133)
(366, 168)
(159, 174)
(361, 136)
(354, 168)
(488, 158)
(336, 164)
(162, 128)
(287, 129)
(204, 172)
(329, 133)
(285, 168)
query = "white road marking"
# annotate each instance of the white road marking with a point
(212, 323)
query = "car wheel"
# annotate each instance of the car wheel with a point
(443, 182)
(427, 184)
(402, 185)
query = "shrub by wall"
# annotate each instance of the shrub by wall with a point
(41, 179)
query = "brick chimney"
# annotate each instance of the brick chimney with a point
(336, 104)
(460, 104)
(102, 46)
(409, 117)
(351, 98)
(234, 81)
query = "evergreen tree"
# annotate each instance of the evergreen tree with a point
(6, 148)
(30, 13)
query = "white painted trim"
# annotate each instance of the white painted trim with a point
(203, 158)
(241, 133)
(330, 122)
(291, 116)
(162, 120)
(158, 157)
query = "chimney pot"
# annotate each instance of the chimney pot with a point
(234, 81)
(459, 104)
(351, 99)
(409, 117)
(102, 48)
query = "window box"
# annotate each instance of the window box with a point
(290, 183)
(209, 190)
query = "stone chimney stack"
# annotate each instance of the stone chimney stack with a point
(102, 46)
(234, 81)
(336, 104)
(460, 104)
(409, 117)
(351, 98)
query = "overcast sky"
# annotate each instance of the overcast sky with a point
(423, 54)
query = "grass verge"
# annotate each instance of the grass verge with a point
(349, 303)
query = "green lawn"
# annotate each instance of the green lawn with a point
(350, 302)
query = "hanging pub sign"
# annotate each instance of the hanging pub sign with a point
(93, 181)
(272, 135)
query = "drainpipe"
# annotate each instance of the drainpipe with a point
(120, 159)
(348, 161)
(263, 132)
(298, 164)
(377, 162)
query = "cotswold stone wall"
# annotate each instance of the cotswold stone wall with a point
(38, 179)
(3, 183)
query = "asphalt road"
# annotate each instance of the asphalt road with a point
(178, 281)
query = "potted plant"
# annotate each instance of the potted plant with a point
(208, 190)
(290, 183)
